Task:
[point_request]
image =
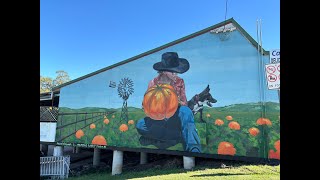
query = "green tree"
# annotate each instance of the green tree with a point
(47, 83)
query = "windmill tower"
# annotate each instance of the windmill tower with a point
(125, 89)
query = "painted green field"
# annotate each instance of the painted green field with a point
(218, 130)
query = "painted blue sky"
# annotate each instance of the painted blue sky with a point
(229, 67)
(80, 36)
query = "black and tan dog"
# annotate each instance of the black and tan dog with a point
(197, 101)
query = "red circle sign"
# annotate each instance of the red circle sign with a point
(271, 69)
(272, 78)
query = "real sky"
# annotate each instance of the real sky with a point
(80, 36)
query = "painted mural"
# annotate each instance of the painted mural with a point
(204, 95)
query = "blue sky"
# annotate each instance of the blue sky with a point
(80, 36)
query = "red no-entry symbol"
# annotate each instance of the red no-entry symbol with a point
(272, 78)
(271, 69)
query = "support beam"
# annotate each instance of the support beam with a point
(188, 162)
(58, 151)
(143, 158)
(117, 162)
(96, 157)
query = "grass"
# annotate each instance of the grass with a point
(199, 172)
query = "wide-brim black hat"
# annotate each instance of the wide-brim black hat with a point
(171, 62)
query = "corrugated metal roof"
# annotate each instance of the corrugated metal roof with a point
(48, 114)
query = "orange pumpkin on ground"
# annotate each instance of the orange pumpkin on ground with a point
(274, 155)
(219, 122)
(234, 125)
(226, 148)
(264, 121)
(130, 122)
(106, 121)
(254, 131)
(123, 128)
(79, 134)
(92, 126)
(99, 140)
(229, 118)
(277, 145)
(160, 102)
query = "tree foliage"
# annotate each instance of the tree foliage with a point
(47, 83)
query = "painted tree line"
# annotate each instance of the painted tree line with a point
(47, 83)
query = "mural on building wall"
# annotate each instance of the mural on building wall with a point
(201, 95)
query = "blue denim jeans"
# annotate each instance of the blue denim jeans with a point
(180, 128)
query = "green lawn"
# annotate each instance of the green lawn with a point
(200, 172)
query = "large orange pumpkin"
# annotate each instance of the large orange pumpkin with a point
(99, 140)
(160, 101)
(254, 131)
(106, 121)
(229, 118)
(92, 126)
(130, 122)
(79, 134)
(264, 121)
(274, 155)
(234, 125)
(219, 122)
(277, 145)
(123, 128)
(226, 148)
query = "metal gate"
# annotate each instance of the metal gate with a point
(55, 166)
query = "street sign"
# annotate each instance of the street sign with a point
(275, 56)
(273, 75)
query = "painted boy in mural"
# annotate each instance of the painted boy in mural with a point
(180, 127)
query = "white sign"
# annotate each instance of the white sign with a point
(273, 75)
(48, 131)
(275, 56)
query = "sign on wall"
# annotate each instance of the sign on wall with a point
(48, 131)
(275, 56)
(273, 75)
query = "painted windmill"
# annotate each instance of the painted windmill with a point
(125, 89)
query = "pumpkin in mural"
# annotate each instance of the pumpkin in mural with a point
(123, 128)
(219, 122)
(234, 125)
(106, 121)
(264, 121)
(277, 145)
(160, 102)
(254, 131)
(130, 122)
(79, 134)
(99, 140)
(229, 118)
(92, 126)
(226, 148)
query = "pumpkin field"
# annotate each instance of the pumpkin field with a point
(236, 130)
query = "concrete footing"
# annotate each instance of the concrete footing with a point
(117, 162)
(188, 162)
(58, 151)
(143, 158)
(96, 157)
